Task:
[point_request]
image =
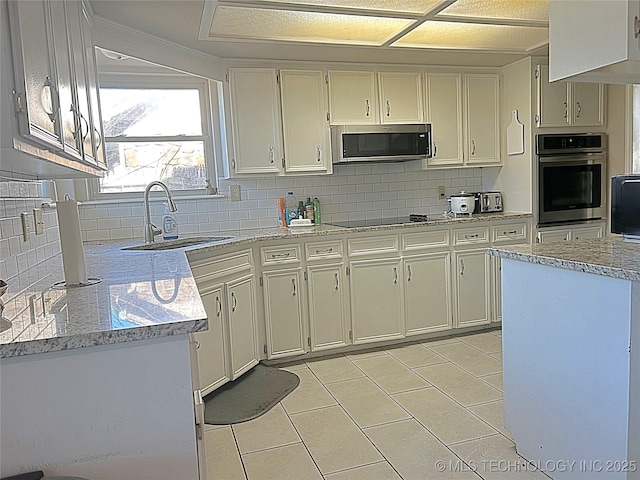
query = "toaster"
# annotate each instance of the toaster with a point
(487, 202)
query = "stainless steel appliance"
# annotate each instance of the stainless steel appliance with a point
(380, 143)
(463, 203)
(488, 202)
(571, 177)
(625, 206)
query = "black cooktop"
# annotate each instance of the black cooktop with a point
(376, 222)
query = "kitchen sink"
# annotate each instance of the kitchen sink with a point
(179, 243)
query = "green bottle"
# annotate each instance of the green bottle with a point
(308, 207)
(300, 209)
(316, 211)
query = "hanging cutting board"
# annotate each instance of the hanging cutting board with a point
(515, 136)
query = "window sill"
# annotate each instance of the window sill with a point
(159, 198)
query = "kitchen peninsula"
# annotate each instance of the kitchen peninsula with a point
(571, 335)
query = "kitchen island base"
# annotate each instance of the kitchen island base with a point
(572, 370)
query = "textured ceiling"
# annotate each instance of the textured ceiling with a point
(438, 32)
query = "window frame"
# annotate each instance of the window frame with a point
(164, 81)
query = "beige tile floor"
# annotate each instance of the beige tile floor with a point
(422, 411)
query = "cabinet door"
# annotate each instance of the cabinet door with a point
(552, 236)
(401, 97)
(496, 268)
(212, 347)
(255, 118)
(352, 98)
(328, 307)
(377, 309)
(578, 233)
(242, 328)
(444, 112)
(305, 126)
(472, 287)
(483, 131)
(35, 75)
(552, 105)
(427, 293)
(588, 104)
(284, 313)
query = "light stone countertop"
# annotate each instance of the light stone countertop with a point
(143, 294)
(609, 256)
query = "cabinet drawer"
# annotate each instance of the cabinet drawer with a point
(322, 250)
(210, 269)
(279, 254)
(425, 240)
(372, 245)
(471, 236)
(516, 232)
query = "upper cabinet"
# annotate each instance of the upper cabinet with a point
(401, 98)
(361, 97)
(564, 103)
(594, 41)
(353, 98)
(279, 121)
(305, 122)
(57, 111)
(482, 122)
(444, 112)
(255, 120)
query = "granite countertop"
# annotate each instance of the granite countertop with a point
(143, 294)
(610, 256)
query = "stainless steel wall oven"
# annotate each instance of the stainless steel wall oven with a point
(571, 177)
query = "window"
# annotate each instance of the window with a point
(155, 129)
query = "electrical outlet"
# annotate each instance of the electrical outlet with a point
(235, 193)
(441, 192)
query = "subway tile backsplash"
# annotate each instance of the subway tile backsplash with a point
(352, 192)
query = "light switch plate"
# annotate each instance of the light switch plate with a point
(26, 229)
(235, 193)
(38, 222)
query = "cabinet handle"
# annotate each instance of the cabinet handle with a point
(293, 282)
(50, 102)
(566, 110)
(395, 275)
(197, 345)
(234, 302)
(578, 109)
(461, 266)
(271, 154)
(336, 279)
(99, 137)
(435, 149)
(636, 26)
(510, 232)
(280, 255)
(218, 307)
(325, 250)
(319, 153)
(473, 147)
(409, 271)
(388, 108)
(368, 107)
(474, 236)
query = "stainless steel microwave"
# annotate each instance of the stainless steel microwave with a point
(380, 143)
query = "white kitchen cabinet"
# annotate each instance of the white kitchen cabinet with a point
(587, 231)
(560, 104)
(305, 122)
(353, 98)
(594, 41)
(444, 113)
(427, 293)
(212, 350)
(554, 235)
(472, 287)
(377, 307)
(285, 312)
(496, 297)
(401, 97)
(482, 100)
(255, 120)
(574, 232)
(241, 301)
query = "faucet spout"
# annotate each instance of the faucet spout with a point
(150, 230)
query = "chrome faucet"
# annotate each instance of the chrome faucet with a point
(150, 230)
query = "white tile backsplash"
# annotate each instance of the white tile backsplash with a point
(351, 192)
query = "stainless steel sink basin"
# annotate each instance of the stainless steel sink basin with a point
(179, 243)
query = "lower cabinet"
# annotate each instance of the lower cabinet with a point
(328, 306)
(472, 287)
(496, 298)
(427, 293)
(285, 312)
(377, 307)
(241, 304)
(573, 232)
